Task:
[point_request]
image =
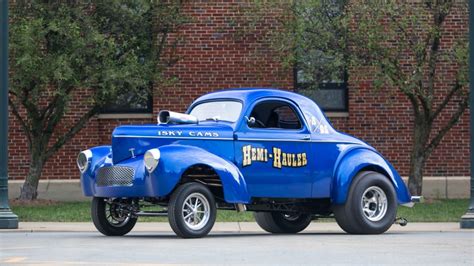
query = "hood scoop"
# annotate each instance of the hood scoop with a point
(168, 117)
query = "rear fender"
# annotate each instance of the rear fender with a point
(357, 159)
(176, 159)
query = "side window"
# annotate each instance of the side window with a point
(287, 118)
(274, 115)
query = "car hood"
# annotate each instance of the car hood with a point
(131, 141)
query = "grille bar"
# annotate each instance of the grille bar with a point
(115, 176)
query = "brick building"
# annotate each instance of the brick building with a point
(216, 57)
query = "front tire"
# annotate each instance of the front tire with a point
(110, 218)
(282, 223)
(192, 210)
(371, 205)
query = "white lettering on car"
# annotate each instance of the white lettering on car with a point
(179, 133)
(280, 159)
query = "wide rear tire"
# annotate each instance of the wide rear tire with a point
(282, 223)
(371, 205)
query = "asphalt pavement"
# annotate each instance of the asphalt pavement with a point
(236, 243)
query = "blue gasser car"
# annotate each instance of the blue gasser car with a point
(268, 151)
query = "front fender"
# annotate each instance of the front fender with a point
(101, 156)
(357, 158)
(176, 159)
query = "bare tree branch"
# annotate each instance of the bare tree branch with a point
(452, 121)
(439, 17)
(457, 86)
(414, 103)
(23, 124)
(52, 106)
(71, 132)
(54, 118)
(29, 106)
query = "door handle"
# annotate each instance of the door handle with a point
(307, 137)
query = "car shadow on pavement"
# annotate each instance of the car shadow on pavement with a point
(234, 235)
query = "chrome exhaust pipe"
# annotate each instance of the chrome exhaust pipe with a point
(413, 200)
(240, 207)
(168, 117)
(417, 199)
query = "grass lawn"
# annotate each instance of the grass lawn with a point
(46, 211)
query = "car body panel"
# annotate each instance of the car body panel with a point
(139, 139)
(354, 159)
(321, 162)
(173, 165)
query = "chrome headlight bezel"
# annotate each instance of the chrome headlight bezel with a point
(83, 160)
(151, 159)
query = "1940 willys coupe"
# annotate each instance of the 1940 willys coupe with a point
(268, 151)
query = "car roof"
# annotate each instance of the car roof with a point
(309, 108)
(315, 118)
(250, 94)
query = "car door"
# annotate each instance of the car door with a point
(273, 150)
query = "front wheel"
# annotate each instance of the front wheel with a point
(192, 210)
(282, 223)
(371, 205)
(112, 216)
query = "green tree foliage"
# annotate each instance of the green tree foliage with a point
(405, 49)
(64, 49)
(398, 42)
(311, 35)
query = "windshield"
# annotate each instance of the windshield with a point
(218, 110)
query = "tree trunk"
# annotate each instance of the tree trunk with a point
(415, 179)
(421, 133)
(30, 187)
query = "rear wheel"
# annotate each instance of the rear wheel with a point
(282, 223)
(371, 205)
(112, 216)
(192, 210)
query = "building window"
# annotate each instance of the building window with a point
(322, 77)
(130, 102)
(320, 59)
(331, 96)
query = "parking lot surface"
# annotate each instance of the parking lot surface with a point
(236, 243)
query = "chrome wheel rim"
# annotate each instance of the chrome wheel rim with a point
(374, 203)
(196, 211)
(115, 214)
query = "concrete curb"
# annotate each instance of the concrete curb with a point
(234, 227)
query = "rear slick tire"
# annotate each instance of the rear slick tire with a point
(371, 205)
(282, 223)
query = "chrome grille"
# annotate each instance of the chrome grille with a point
(114, 176)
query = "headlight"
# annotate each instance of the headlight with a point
(151, 159)
(83, 160)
